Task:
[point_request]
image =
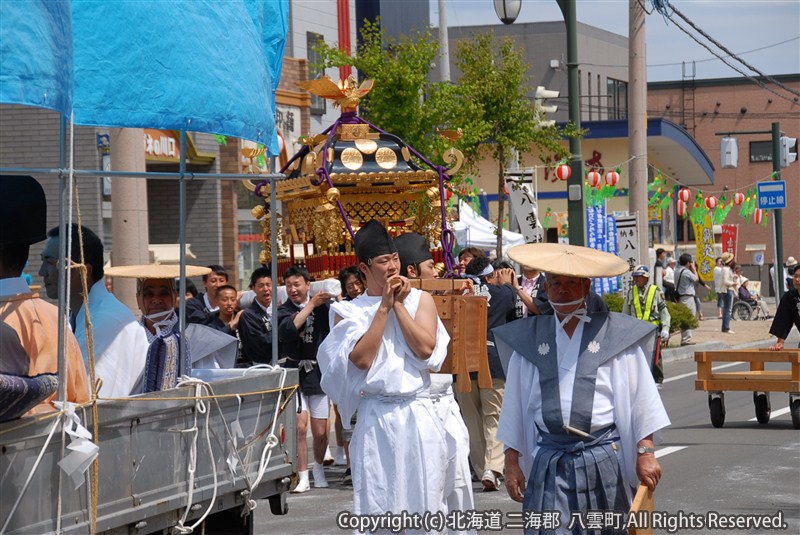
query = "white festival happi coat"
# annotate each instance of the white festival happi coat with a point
(120, 343)
(398, 452)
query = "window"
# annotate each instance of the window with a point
(617, 99)
(685, 231)
(760, 151)
(314, 70)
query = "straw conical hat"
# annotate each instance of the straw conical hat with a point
(155, 271)
(572, 260)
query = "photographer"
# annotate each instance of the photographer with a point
(685, 279)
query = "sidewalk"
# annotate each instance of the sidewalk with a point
(709, 336)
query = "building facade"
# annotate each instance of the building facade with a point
(708, 108)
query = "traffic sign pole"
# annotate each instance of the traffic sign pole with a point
(777, 219)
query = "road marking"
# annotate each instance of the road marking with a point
(774, 414)
(669, 449)
(685, 375)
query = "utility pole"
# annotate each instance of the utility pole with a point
(637, 122)
(129, 228)
(444, 43)
(576, 212)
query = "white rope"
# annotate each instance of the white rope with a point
(200, 408)
(56, 424)
(271, 441)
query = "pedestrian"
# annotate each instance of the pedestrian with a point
(580, 409)
(466, 255)
(728, 285)
(302, 326)
(120, 344)
(23, 222)
(646, 302)
(226, 318)
(685, 280)
(416, 262)
(753, 299)
(200, 309)
(668, 283)
(255, 324)
(529, 289)
(378, 360)
(788, 314)
(719, 287)
(481, 406)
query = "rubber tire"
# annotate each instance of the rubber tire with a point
(229, 522)
(716, 407)
(763, 407)
(795, 410)
(741, 311)
(278, 504)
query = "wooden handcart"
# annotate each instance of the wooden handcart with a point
(756, 380)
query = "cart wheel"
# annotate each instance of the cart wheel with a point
(763, 407)
(795, 410)
(716, 407)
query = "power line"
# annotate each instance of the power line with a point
(715, 58)
(735, 68)
(731, 54)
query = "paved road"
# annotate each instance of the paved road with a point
(742, 468)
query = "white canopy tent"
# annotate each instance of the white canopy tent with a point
(473, 230)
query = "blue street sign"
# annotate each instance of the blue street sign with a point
(772, 195)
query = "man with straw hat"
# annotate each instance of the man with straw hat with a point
(377, 359)
(23, 221)
(156, 296)
(580, 408)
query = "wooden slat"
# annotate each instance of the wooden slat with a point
(735, 355)
(753, 375)
(761, 385)
(644, 501)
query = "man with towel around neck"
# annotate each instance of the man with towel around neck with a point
(581, 407)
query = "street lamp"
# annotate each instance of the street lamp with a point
(507, 10)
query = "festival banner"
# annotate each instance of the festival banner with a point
(704, 240)
(628, 245)
(613, 247)
(730, 235)
(526, 210)
(562, 224)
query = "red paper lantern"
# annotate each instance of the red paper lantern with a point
(738, 198)
(563, 171)
(594, 178)
(681, 208)
(685, 194)
(612, 177)
(711, 202)
(758, 215)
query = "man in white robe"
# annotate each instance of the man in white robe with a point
(377, 360)
(416, 262)
(581, 407)
(120, 344)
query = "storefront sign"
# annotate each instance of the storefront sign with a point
(161, 146)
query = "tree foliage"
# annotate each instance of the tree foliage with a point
(404, 101)
(494, 110)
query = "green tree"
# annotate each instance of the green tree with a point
(404, 101)
(494, 111)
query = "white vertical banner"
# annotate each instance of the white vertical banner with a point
(628, 245)
(525, 207)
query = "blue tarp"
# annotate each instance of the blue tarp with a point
(36, 54)
(198, 65)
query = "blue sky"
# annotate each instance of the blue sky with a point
(764, 33)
